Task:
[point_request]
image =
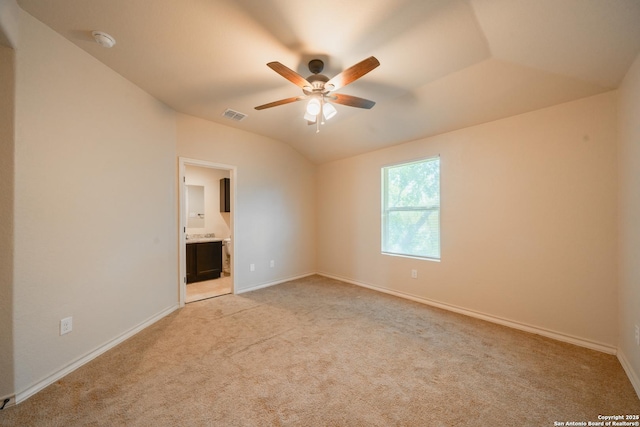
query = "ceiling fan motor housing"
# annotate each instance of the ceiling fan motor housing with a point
(316, 66)
(317, 84)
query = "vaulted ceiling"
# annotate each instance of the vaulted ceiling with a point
(445, 64)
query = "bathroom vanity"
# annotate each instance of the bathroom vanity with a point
(204, 259)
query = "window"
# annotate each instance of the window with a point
(411, 209)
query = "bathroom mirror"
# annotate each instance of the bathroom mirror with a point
(195, 206)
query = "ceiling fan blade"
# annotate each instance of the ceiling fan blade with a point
(353, 73)
(289, 74)
(280, 102)
(351, 101)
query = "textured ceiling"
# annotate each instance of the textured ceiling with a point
(445, 64)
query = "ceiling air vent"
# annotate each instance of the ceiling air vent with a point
(233, 115)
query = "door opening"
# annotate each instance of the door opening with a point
(206, 221)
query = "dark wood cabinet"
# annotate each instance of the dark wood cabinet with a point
(191, 263)
(204, 261)
(225, 195)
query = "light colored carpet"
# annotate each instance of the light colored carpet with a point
(318, 352)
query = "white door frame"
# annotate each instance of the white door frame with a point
(233, 173)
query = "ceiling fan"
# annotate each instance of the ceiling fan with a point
(319, 89)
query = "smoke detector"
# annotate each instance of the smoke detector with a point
(103, 39)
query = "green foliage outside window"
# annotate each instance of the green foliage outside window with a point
(411, 209)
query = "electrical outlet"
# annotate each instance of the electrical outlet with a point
(637, 335)
(414, 274)
(272, 264)
(66, 325)
(252, 267)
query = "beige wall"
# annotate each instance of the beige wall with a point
(95, 204)
(629, 143)
(95, 214)
(529, 211)
(528, 220)
(215, 222)
(275, 199)
(9, 10)
(9, 18)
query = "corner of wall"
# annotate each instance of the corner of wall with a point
(7, 148)
(9, 21)
(628, 110)
(628, 369)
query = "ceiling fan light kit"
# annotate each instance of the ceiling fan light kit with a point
(318, 111)
(313, 107)
(318, 88)
(329, 111)
(309, 117)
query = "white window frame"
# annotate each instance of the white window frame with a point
(386, 210)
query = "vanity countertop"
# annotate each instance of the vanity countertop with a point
(204, 240)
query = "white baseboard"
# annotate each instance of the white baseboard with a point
(55, 376)
(277, 282)
(633, 375)
(604, 348)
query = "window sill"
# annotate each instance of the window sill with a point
(411, 256)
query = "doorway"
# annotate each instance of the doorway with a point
(208, 225)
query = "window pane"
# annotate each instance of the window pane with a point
(414, 184)
(414, 233)
(411, 209)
